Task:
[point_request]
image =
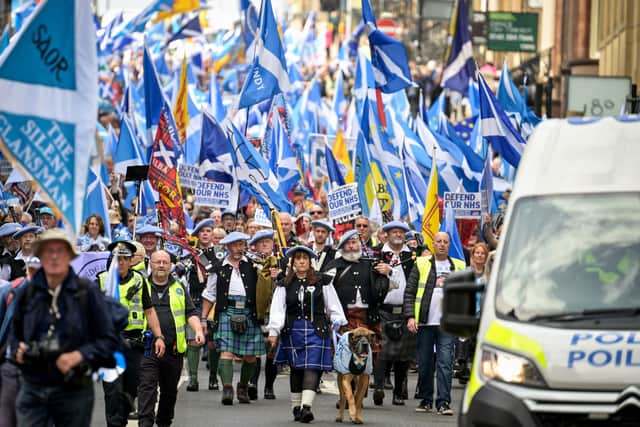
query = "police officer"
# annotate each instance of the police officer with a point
(197, 278)
(174, 308)
(237, 331)
(134, 295)
(321, 231)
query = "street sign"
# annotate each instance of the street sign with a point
(388, 26)
(597, 96)
(515, 32)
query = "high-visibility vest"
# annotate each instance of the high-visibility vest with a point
(424, 268)
(136, 319)
(178, 303)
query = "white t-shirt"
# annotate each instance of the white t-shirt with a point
(435, 308)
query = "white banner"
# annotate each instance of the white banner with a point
(260, 218)
(465, 205)
(344, 203)
(89, 264)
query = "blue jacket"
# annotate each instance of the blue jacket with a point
(91, 332)
(343, 354)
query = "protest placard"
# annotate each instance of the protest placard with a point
(465, 205)
(344, 203)
(213, 194)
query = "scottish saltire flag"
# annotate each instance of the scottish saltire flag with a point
(473, 95)
(192, 28)
(497, 128)
(49, 108)
(253, 173)
(215, 96)
(409, 141)
(96, 200)
(363, 174)
(4, 39)
(268, 74)
(340, 103)
(515, 104)
(388, 55)
(448, 179)
(336, 178)
(128, 149)
(20, 14)
(249, 26)
(436, 109)
(216, 162)
(460, 67)
(283, 160)
(385, 156)
(450, 227)
(154, 97)
(415, 185)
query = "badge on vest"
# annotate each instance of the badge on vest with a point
(179, 290)
(397, 310)
(240, 304)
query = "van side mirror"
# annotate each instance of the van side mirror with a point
(459, 304)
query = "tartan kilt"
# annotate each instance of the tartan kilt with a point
(251, 343)
(302, 348)
(403, 349)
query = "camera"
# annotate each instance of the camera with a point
(41, 351)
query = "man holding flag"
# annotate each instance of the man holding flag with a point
(130, 288)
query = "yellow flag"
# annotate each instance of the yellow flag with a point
(431, 217)
(342, 155)
(181, 107)
(179, 6)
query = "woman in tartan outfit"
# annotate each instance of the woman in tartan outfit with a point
(304, 309)
(237, 332)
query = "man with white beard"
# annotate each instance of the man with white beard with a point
(360, 288)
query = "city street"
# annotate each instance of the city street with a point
(204, 408)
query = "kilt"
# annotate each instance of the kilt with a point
(357, 317)
(403, 349)
(304, 349)
(251, 343)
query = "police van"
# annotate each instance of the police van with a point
(558, 336)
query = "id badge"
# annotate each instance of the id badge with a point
(397, 310)
(240, 304)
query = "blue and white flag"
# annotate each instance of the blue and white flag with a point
(388, 55)
(486, 185)
(4, 39)
(339, 101)
(253, 173)
(216, 162)
(96, 200)
(215, 98)
(268, 75)
(20, 14)
(497, 128)
(449, 226)
(154, 97)
(128, 149)
(49, 87)
(460, 67)
(336, 178)
(415, 185)
(191, 29)
(282, 160)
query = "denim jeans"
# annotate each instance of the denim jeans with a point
(37, 404)
(427, 337)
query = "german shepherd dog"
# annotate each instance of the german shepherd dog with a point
(360, 343)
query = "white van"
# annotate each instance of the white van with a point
(558, 339)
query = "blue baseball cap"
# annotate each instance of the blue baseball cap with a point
(46, 210)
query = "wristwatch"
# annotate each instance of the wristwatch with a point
(160, 337)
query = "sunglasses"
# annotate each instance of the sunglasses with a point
(362, 226)
(317, 212)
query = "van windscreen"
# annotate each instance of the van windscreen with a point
(568, 255)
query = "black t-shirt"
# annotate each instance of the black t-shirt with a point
(160, 300)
